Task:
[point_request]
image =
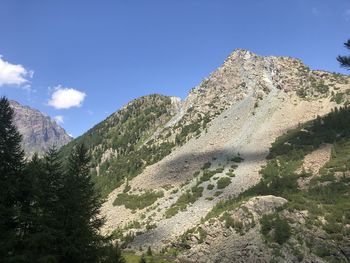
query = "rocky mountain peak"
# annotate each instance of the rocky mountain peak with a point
(39, 131)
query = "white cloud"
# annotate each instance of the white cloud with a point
(59, 119)
(11, 74)
(65, 98)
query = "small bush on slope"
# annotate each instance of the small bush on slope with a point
(223, 182)
(137, 201)
(188, 197)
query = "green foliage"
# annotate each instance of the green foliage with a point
(143, 259)
(338, 97)
(127, 187)
(137, 201)
(301, 92)
(322, 88)
(189, 197)
(221, 207)
(186, 131)
(326, 196)
(131, 257)
(125, 133)
(237, 225)
(231, 174)
(217, 193)
(345, 60)
(275, 229)
(79, 211)
(223, 182)
(112, 254)
(11, 173)
(49, 212)
(237, 159)
(202, 235)
(149, 251)
(210, 186)
(207, 174)
(206, 165)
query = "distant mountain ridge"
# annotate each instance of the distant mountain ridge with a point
(39, 131)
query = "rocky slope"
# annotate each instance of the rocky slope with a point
(122, 145)
(39, 131)
(216, 143)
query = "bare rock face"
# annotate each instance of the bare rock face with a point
(39, 131)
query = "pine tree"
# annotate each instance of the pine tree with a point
(345, 60)
(143, 259)
(11, 170)
(149, 251)
(29, 211)
(81, 205)
(112, 254)
(49, 184)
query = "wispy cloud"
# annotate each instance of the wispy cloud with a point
(14, 74)
(65, 98)
(59, 119)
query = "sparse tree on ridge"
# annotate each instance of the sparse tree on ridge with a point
(345, 60)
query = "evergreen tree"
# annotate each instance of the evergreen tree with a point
(11, 170)
(345, 60)
(49, 236)
(80, 215)
(143, 259)
(149, 251)
(112, 254)
(30, 211)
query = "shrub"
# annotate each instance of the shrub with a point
(237, 159)
(210, 186)
(281, 229)
(137, 201)
(301, 92)
(223, 182)
(231, 174)
(322, 88)
(338, 97)
(206, 165)
(188, 197)
(207, 174)
(217, 193)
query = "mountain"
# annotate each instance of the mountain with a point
(39, 131)
(250, 167)
(122, 145)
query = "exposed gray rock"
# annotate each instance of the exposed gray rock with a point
(39, 131)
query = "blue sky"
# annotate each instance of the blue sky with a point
(83, 59)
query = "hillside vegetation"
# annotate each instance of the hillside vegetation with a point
(119, 145)
(324, 230)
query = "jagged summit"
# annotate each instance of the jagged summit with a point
(39, 131)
